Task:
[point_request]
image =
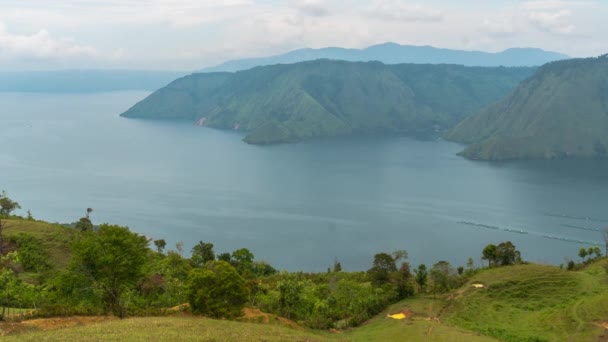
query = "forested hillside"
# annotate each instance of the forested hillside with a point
(560, 112)
(286, 103)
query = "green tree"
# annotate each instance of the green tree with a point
(202, 253)
(262, 269)
(290, 296)
(112, 259)
(84, 224)
(470, 264)
(217, 290)
(384, 264)
(160, 245)
(421, 276)
(582, 253)
(507, 254)
(597, 251)
(489, 253)
(441, 274)
(224, 257)
(7, 205)
(242, 260)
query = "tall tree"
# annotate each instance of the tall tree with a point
(441, 274)
(160, 245)
(582, 253)
(507, 254)
(202, 253)
(489, 253)
(384, 264)
(421, 276)
(112, 259)
(7, 205)
(243, 261)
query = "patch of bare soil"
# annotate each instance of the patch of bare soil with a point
(10, 328)
(66, 322)
(604, 336)
(257, 316)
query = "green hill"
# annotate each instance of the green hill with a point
(323, 98)
(518, 303)
(562, 111)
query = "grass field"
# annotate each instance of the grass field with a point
(534, 303)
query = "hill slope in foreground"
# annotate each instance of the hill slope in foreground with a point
(517, 303)
(562, 111)
(286, 103)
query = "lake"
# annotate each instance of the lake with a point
(297, 206)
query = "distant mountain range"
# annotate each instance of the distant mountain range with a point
(391, 53)
(324, 98)
(562, 111)
(82, 81)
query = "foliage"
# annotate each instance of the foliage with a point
(160, 245)
(202, 253)
(112, 260)
(31, 253)
(421, 276)
(502, 255)
(216, 290)
(541, 118)
(7, 205)
(384, 264)
(285, 103)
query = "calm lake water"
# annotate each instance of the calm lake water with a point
(296, 206)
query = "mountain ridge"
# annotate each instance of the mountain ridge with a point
(393, 53)
(324, 98)
(561, 111)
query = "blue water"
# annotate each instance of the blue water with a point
(296, 206)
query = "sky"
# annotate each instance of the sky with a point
(192, 34)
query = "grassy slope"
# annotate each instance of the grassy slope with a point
(55, 238)
(330, 98)
(561, 111)
(534, 303)
(525, 302)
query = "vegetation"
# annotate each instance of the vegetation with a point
(562, 111)
(285, 103)
(111, 270)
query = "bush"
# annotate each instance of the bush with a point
(217, 290)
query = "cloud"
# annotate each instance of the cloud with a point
(500, 28)
(40, 44)
(556, 22)
(395, 10)
(313, 8)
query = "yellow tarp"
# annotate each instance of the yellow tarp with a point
(397, 316)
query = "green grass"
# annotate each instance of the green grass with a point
(173, 329)
(534, 303)
(422, 327)
(55, 238)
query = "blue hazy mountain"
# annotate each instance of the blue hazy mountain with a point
(391, 53)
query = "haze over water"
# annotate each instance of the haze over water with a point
(296, 206)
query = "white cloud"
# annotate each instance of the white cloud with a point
(40, 44)
(557, 22)
(190, 34)
(402, 11)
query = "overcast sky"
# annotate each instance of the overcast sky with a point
(191, 34)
